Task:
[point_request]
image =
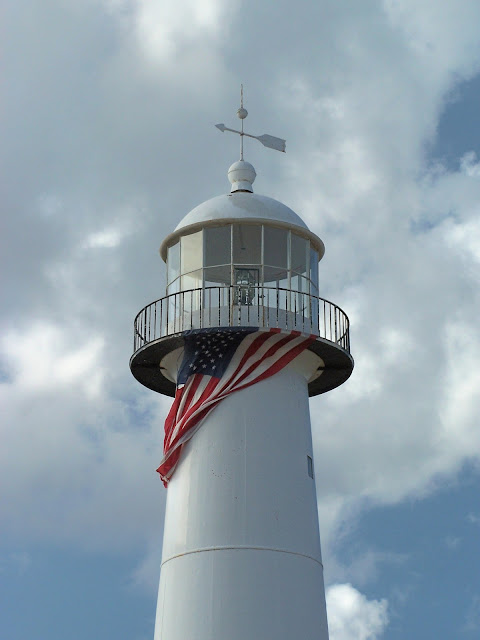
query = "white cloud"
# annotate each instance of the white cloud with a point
(147, 573)
(42, 358)
(469, 165)
(70, 459)
(465, 239)
(164, 28)
(16, 562)
(460, 412)
(473, 518)
(432, 33)
(472, 616)
(352, 617)
(452, 542)
(364, 566)
(401, 257)
(124, 115)
(106, 239)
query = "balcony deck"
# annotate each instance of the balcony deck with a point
(158, 328)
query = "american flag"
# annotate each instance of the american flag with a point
(216, 363)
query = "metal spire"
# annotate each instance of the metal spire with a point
(242, 114)
(268, 141)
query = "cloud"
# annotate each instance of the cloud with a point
(472, 616)
(166, 28)
(401, 259)
(113, 235)
(121, 144)
(146, 574)
(361, 566)
(473, 518)
(432, 35)
(43, 360)
(452, 542)
(106, 239)
(16, 563)
(352, 617)
(71, 459)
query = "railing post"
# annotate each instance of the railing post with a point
(277, 308)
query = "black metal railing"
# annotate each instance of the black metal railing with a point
(239, 306)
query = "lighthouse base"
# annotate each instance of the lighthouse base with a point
(242, 594)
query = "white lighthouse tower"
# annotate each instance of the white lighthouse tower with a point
(241, 339)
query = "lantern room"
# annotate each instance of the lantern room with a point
(241, 260)
(243, 250)
(242, 254)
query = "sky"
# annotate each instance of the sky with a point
(107, 114)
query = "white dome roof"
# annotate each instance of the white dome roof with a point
(242, 205)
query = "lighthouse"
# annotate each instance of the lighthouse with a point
(240, 341)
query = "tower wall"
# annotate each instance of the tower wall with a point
(241, 553)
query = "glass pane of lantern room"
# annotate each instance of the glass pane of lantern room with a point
(247, 244)
(191, 253)
(314, 271)
(173, 287)
(218, 276)
(190, 300)
(275, 242)
(170, 320)
(275, 278)
(191, 280)
(299, 254)
(173, 262)
(217, 292)
(217, 245)
(301, 303)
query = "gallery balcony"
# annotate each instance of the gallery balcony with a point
(158, 327)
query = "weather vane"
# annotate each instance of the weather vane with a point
(268, 141)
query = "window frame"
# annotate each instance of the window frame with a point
(310, 250)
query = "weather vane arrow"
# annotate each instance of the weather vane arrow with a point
(268, 141)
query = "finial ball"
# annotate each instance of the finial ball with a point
(242, 113)
(241, 175)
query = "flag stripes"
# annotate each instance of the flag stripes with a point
(258, 355)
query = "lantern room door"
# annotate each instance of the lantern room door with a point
(247, 307)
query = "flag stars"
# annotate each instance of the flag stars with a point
(208, 352)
